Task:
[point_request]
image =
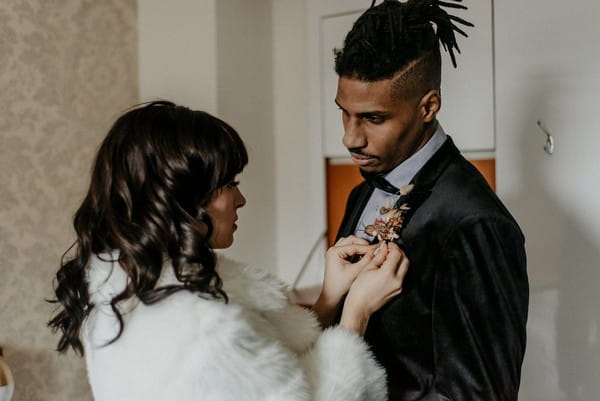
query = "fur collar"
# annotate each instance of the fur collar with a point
(252, 287)
(255, 288)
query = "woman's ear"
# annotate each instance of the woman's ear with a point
(430, 105)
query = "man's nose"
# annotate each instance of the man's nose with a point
(354, 136)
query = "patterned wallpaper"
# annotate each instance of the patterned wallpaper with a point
(67, 68)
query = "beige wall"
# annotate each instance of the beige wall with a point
(300, 168)
(66, 69)
(178, 51)
(217, 56)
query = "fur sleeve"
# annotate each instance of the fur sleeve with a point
(242, 363)
(239, 363)
(341, 367)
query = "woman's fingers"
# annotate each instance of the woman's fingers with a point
(395, 256)
(403, 268)
(374, 259)
(346, 251)
(396, 262)
(351, 240)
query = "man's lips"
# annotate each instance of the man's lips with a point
(362, 160)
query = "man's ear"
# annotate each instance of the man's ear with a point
(430, 105)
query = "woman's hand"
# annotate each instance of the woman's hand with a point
(374, 287)
(340, 273)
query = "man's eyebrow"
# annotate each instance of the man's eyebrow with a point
(372, 114)
(365, 113)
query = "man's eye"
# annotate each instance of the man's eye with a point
(233, 184)
(374, 119)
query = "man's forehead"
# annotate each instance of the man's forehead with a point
(365, 94)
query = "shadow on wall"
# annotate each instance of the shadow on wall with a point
(245, 100)
(563, 354)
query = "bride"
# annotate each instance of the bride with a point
(159, 316)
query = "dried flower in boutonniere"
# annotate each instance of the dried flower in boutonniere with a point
(387, 226)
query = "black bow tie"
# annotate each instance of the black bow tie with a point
(379, 182)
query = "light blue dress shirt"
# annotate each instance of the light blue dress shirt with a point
(401, 175)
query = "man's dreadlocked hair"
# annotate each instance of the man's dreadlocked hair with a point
(395, 36)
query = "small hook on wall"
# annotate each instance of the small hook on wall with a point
(549, 146)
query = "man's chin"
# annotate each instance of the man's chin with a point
(370, 169)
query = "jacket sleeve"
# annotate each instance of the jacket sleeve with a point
(480, 303)
(241, 363)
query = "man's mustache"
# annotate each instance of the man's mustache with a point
(359, 152)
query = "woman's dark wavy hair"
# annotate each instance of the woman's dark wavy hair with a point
(159, 165)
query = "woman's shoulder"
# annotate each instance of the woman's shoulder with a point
(182, 317)
(247, 289)
(245, 286)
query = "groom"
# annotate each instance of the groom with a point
(457, 331)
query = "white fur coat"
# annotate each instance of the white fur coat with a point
(257, 347)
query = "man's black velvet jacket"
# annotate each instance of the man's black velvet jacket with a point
(457, 330)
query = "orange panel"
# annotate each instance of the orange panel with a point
(341, 178)
(487, 167)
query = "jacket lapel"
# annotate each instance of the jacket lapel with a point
(426, 178)
(354, 209)
(430, 172)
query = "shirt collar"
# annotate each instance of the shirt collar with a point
(403, 173)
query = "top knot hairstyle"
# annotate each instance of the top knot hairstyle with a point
(395, 35)
(154, 173)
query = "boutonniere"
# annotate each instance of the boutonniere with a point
(392, 212)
